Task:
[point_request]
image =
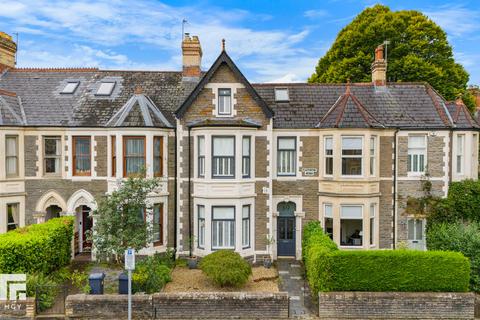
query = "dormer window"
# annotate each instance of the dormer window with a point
(105, 89)
(281, 95)
(70, 87)
(225, 102)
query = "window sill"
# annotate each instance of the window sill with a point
(351, 247)
(352, 176)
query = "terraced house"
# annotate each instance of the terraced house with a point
(243, 166)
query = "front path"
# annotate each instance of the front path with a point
(291, 275)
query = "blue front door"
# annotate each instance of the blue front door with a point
(286, 236)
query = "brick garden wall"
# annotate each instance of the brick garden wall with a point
(396, 305)
(218, 305)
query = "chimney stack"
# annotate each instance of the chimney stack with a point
(379, 67)
(192, 56)
(8, 49)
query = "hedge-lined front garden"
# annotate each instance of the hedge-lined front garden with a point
(41, 248)
(329, 269)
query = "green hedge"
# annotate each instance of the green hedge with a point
(226, 268)
(330, 269)
(37, 248)
(464, 238)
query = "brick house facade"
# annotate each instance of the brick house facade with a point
(242, 166)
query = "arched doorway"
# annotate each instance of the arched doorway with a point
(286, 229)
(52, 211)
(85, 224)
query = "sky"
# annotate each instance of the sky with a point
(270, 41)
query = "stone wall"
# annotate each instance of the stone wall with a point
(31, 158)
(17, 309)
(101, 156)
(396, 305)
(196, 305)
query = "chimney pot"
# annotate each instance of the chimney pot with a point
(379, 68)
(191, 56)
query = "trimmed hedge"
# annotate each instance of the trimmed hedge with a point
(40, 248)
(464, 238)
(330, 269)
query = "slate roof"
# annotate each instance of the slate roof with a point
(398, 105)
(348, 112)
(32, 97)
(45, 105)
(461, 117)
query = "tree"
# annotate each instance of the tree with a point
(418, 51)
(120, 221)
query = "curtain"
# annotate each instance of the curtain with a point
(135, 155)
(351, 212)
(286, 143)
(224, 146)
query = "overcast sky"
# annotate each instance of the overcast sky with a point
(272, 40)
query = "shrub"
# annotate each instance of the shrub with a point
(330, 269)
(37, 248)
(462, 238)
(226, 268)
(151, 274)
(47, 289)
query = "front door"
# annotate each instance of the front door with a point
(416, 234)
(86, 227)
(286, 236)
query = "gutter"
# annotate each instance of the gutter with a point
(394, 216)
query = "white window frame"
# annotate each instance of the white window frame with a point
(373, 156)
(201, 156)
(417, 152)
(372, 221)
(224, 98)
(16, 225)
(11, 155)
(246, 156)
(201, 227)
(328, 157)
(246, 229)
(57, 156)
(105, 88)
(327, 216)
(360, 219)
(224, 224)
(352, 156)
(282, 155)
(226, 161)
(70, 87)
(460, 154)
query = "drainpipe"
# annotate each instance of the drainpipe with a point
(395, 188)
(190, 240)
(175, 212)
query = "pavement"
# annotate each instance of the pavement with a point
(292, 280)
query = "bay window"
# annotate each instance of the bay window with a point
(246, 157)
(158, 156)
(158, 224)
(287, 154)
(351, 225)
(201, 226)
(328, 219)
(11, 156)
(460, 152)
(245, 226)
(13, 216)
(52, 152)
(223, 157)
(373, 154)
(328, 156)
(417, 151)
(81, 156)
(224, 101)
(133, 155)
(352, 156)
(223, 227)
(201, 156)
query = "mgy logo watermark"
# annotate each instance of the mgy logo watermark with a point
(13, 287)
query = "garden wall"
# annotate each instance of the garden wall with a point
(396, 305)
(17, 309)
(224, 305)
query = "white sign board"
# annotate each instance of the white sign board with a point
(130, 259)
